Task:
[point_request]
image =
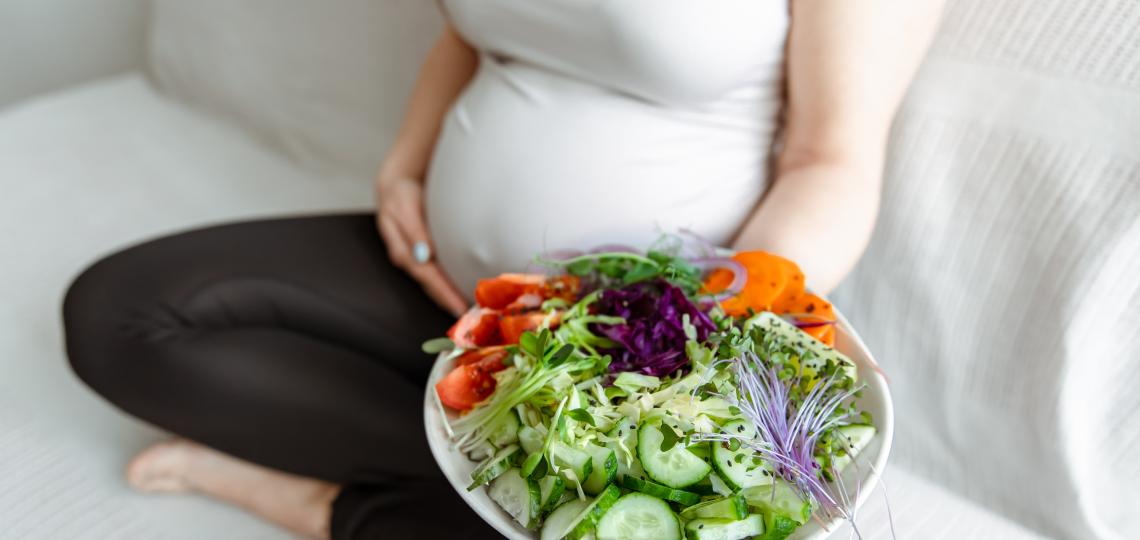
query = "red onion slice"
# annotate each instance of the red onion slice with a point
(613, 248)
(739, 273)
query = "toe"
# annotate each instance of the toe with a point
(159, 468)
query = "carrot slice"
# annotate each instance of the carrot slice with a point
(825, 333)
(718, 280)
(793, 289)
(811, 306)
(829, 336)
(768, 276)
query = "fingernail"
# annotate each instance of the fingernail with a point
(421, 252)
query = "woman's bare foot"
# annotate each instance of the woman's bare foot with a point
(300, 504)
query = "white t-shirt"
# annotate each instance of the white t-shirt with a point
(597, 122)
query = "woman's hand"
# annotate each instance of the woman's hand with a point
(400, 218)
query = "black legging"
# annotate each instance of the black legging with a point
(292, 343)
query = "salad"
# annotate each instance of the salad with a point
(628, 395)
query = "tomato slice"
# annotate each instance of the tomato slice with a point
(499, 292)
(512, 327)
(565, 287)
(476, 328)
(525, 302)
(476, 355)
(471, 382)
(465, 386)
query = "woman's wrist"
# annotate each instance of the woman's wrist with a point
(391, 172)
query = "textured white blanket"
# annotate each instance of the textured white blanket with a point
(1001, 292)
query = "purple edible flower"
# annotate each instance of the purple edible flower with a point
(652, 339)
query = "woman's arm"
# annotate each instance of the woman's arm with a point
(849, 64)
(446, 71)
(399, 185)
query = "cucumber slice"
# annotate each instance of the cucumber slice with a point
(702, 450)
(531, 440)
(676, 467)
(719, 486)
(602, 470)
(738, 468)
(685, 498)
(771, 322)
(506, 432)
(854, 439)
(724, 529)
(638, 516)
(518, 496)
(704, 487)
(777, 527)
(550, 490)
(778, 498)
(731, 508)
(588, 519)
(562, 519)
(493, 466)
(566, 457)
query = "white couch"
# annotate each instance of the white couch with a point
(150, 117)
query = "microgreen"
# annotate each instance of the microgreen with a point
(788, 426)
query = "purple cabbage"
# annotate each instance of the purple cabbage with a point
(652, 339)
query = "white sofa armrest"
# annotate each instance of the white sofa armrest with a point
(47, 45)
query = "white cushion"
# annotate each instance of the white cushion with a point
(326, 81)
(82, 173)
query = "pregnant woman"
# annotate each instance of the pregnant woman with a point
(285, 353)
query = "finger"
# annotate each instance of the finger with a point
(398, 251)
(440, 288)
(414, 228)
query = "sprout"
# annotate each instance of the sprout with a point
(786, 431)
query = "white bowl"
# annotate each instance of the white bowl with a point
(861, 481)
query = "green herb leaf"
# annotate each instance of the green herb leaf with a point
(437, 345)
(560, 355)
(542, 342)
(581, 415)
(668, 438)
(580, 268)
(640, 272)
(531, 463)
(528, 342)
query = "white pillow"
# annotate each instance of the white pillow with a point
(326, 81)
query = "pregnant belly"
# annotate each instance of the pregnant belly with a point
(530, 161)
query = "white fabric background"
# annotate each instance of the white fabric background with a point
(81, 174)
(1001, 291)
(50, 45)
(324, 81)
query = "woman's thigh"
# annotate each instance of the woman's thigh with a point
(292, 342)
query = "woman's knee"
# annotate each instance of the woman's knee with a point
(94, 320)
